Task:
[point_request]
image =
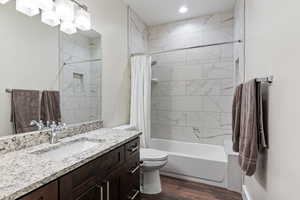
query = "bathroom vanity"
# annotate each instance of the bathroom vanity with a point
(109, 170)
(113, 176)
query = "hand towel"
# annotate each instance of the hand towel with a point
(262, 111)
(248, 146)
(24, 109)
(50, 106)
(236, 116)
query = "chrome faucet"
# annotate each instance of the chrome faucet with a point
(55, 128)
(39, 124)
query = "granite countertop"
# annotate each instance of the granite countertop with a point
(22, 171)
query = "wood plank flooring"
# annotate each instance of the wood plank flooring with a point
(175, 189)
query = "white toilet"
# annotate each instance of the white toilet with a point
(152, 161)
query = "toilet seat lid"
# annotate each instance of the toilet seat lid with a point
(153, 155)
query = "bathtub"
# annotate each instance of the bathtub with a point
(197, 162)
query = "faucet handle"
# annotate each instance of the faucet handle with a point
(41, 124)
(48, 124)
(53, 125)
(33, 122)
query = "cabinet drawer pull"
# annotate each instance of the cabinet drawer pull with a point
(135, 169)
(133, 149)
(134, 196)
(107, 189)
(101, 192)
(41, 198)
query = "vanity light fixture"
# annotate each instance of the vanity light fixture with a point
(4, 1)
(83, 20)
(55, 12)
(68, 27)
(27, 7)
(65, 9)
(45, 5)
(50, 18)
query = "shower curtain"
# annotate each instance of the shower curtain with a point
(140, 112)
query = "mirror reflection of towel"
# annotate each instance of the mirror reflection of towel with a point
(50, 106)
(24, 109)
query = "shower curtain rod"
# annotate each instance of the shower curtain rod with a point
(187, 48)
(83, 61)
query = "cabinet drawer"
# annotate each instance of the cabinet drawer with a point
(110, 161)
(132, 148)
(131, 178)
(99, 167)
(48, 192)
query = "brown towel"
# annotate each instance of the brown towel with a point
(50, 106)
(248, 147)
(24, 109)
(262, 110)
(236, 117)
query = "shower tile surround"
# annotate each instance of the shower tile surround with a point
(26, 140)
(80, 83)
(192, 100)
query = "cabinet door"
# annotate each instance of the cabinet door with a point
(95, 193)
(112, 185)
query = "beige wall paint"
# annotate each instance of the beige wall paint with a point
(273, 47)
(110, 19)
(28, 57)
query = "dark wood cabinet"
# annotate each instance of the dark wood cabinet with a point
(113, 176)
(48, 192)
(93, 193)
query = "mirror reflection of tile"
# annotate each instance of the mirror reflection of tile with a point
(81, 78)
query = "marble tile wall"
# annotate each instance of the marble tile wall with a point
(81, 83)
(193, 97)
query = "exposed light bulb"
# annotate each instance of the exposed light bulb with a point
(83, 20)
(4, 1)
(50, 18)
(27, 7)
(65, 10)
(45, 5)
(68, 27)
(183, 9)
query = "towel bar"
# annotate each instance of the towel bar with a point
(268, 79)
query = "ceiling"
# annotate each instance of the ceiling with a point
(155, 12)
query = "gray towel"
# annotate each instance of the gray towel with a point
(24, 109)
(262, 111)
(50, 106)
(248, 146)
(236, 117)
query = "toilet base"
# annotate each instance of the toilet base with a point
(150, 182)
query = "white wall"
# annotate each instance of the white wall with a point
(138, 33)
(109, 17)
(23, 37)
(272, 47)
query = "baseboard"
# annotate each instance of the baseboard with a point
(197, 180)
(245, 193)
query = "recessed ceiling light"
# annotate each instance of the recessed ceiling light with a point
(183, 9)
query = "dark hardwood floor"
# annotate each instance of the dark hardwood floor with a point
(175, 189)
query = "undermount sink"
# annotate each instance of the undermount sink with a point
(67, 149)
